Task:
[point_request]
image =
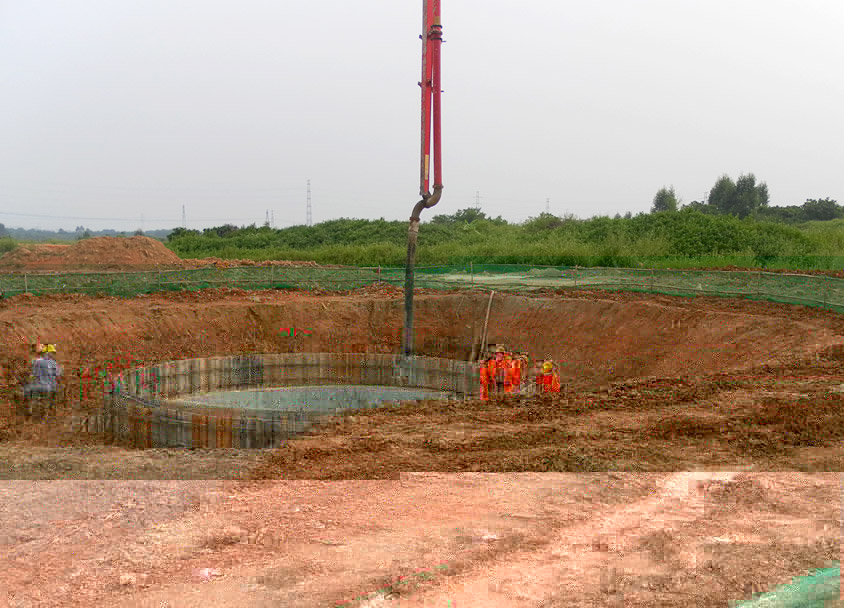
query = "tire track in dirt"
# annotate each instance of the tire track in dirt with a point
(583, 559)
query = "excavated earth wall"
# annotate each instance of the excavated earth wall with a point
(596, 339)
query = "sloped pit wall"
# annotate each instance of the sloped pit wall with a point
(136, 410)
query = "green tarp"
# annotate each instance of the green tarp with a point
(821, 589)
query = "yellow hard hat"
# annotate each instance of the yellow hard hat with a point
(50, 348)
(500, 349)
(547, 366)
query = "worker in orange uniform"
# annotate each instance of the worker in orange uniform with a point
(500, 370)
(484, 370)
(516, 365)
(509, 373)
(548, 381)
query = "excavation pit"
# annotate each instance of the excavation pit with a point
(191, 403)
(597, 339)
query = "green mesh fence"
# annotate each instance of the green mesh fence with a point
(809, 290)
(821, 589)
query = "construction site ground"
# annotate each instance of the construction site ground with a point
(594, 503)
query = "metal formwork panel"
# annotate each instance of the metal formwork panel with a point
(182, 378)
(296, 364)
(202, 381)
(212, 431)
(224, 432)
(219, 369)
(225, 373)
(155, 429)
(323, 367)
(273, 367)
(199, 431)
(275, 430)
(195, 375)
(172, 428)
(260, 441)
(287, 374)
(251, 432)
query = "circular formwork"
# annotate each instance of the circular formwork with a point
(179, 403)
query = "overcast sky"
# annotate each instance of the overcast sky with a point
(117, 109)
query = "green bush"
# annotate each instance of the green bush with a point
(7, 243)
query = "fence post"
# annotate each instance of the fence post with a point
(272, 275)
(159, 279)
(826, 290)
(472, 272)
(25, 286)
(759, 284)
(653, 272)
(576, 272)
(379, 274)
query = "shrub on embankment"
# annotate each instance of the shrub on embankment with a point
(7, 243)
(686, 238)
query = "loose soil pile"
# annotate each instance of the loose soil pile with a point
(138, 252)
(115, 253)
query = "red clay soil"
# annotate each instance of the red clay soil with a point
(114, 253)
(653, 383)
(466, 541)
(102, 252)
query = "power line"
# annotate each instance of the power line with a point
(173, 221)
(477, 200)
(42, 185)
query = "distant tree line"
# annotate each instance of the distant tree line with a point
(745, 197)
(81, 232)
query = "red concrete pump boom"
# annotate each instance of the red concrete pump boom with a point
(432, 37)
(431, 42)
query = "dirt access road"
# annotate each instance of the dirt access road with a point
(465, 540)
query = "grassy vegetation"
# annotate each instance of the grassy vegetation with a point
(688, 238)
(7, 244)
(684, 239)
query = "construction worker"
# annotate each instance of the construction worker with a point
(45, 372)
(489, 372)
(37, 351)
(512, 375)
(500, 369)
(484, 371)
(548, 381)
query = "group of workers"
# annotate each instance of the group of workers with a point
(507, 373)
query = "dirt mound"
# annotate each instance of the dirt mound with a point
(135, 252)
